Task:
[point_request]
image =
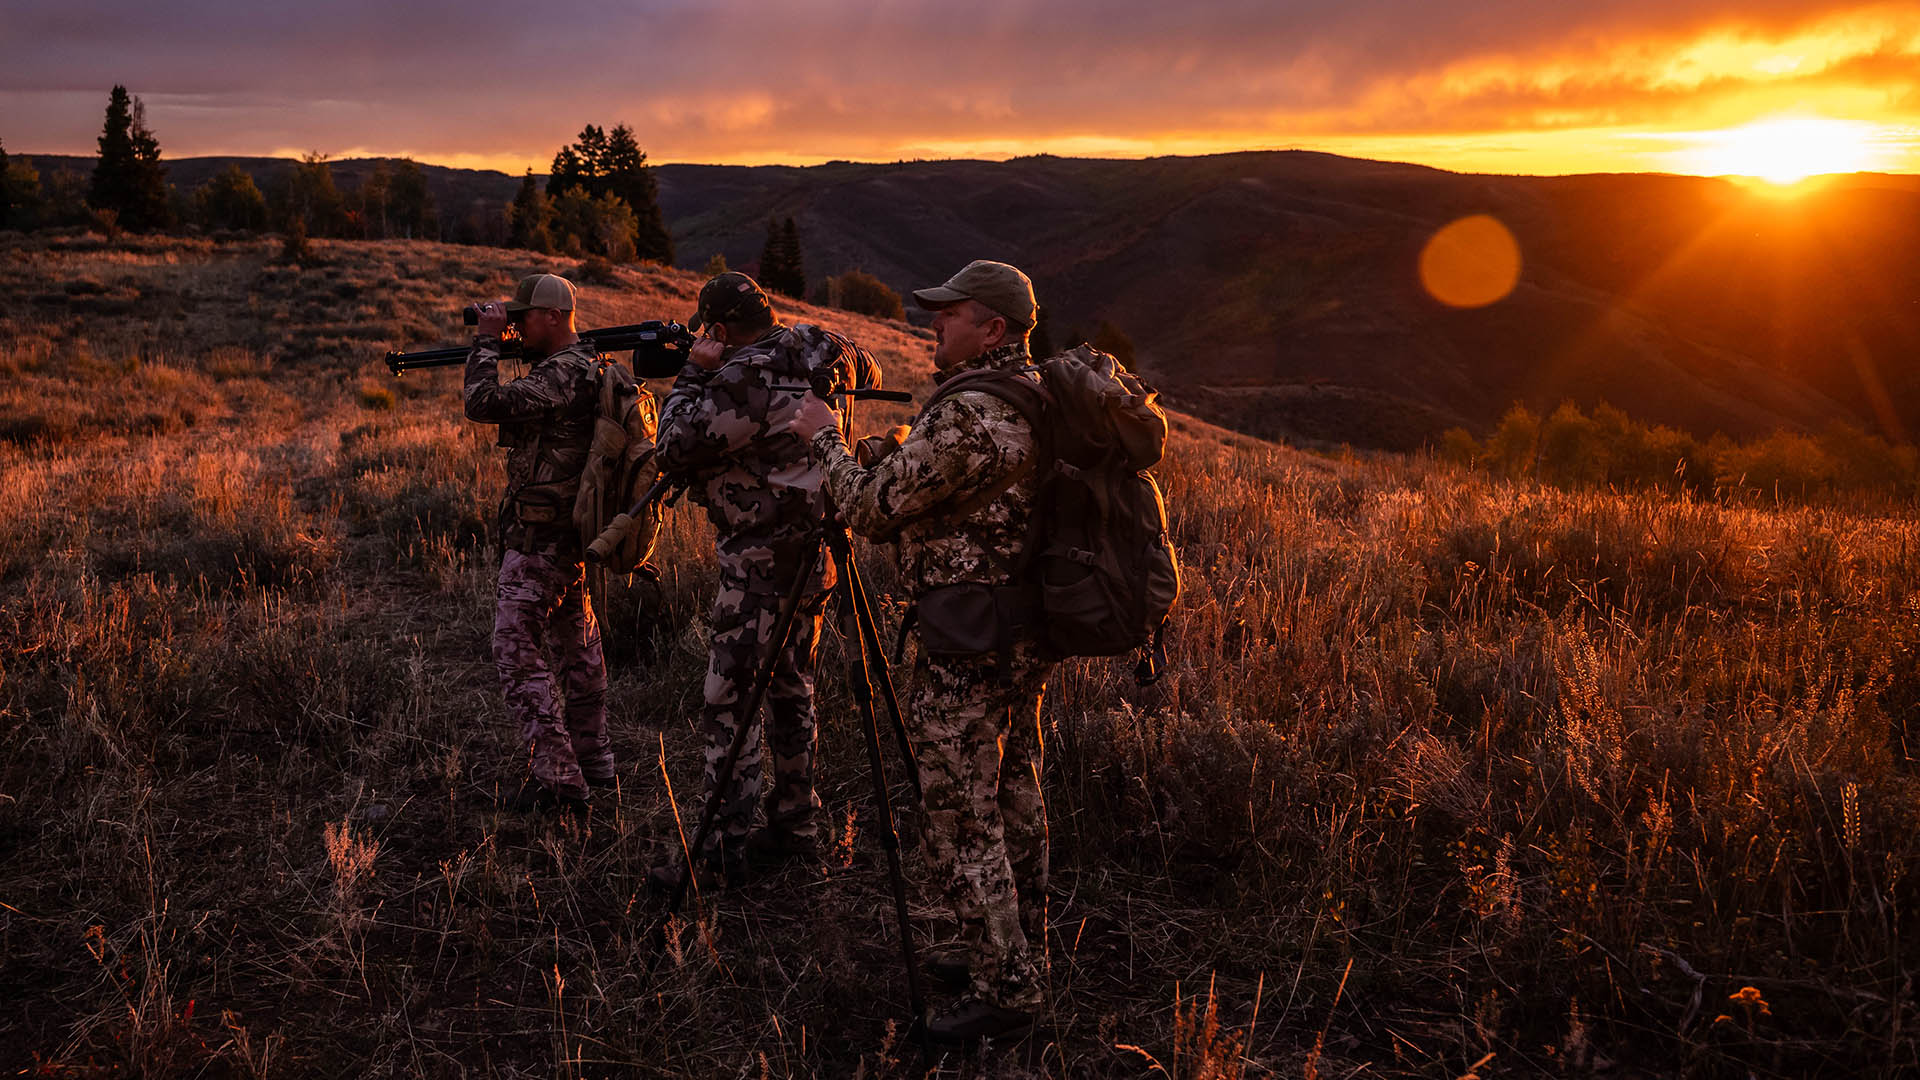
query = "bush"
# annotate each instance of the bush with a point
(863, 294)
(376, 396)
(231, 201)
(1512, 446)
(293, 245)
(596, 270)
(1571, 452)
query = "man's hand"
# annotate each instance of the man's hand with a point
(708, 354)
(812, 417)
(494, 319)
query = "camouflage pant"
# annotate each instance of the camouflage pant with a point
(980, 752)
(744, 612)
(541, 611)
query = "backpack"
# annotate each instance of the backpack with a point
(1098, 561)
(620, 471)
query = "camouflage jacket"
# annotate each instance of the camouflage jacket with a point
(546, 423)
(961, 447)
(726, 430)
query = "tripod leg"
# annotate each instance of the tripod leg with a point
(723, 776)
(870, 642)
(853, 595)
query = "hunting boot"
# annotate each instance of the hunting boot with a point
(972, 1019)
(535, 797)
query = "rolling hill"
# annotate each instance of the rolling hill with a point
(1277, 292)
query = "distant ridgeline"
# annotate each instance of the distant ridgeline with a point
(1282, 293)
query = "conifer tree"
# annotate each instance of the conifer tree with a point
(566, 174)
(128, 178)
(780, 261)
(796, 281)
(529, 222)
(600, 164)
(6, 190)
(771, 257)
(630, 177)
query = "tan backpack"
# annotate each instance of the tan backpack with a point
(621, 468)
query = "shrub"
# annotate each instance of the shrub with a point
(863, 294)
(377, 396)
(1513, 445)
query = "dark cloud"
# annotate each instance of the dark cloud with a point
(733, 80)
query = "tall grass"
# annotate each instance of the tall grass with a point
(1450, 773)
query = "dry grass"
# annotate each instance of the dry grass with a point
(1450, 774)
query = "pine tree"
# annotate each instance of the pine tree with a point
(6, 190)
(629, 177)
(601, 163)
(796, 281)
(530, 219)
(592, 148)
(311, 198)
(128, 178)
(771, 267)
(780, 262)
(566, 174)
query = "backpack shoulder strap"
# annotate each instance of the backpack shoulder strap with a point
(1028, 398)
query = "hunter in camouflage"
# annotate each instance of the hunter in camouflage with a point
(543, 620)
(723, 427)
(958, 494)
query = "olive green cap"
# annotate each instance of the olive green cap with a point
(728, 297)
(1000, 287)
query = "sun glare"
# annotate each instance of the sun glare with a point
(1784, 150)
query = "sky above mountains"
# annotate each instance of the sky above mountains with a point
(1764, 87)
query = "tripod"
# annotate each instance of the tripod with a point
(868, 667)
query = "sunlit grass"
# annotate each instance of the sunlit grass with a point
(1448, 764)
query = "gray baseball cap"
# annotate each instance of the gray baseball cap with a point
(1000, 287)
(541, 291)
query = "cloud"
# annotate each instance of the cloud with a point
(817, 79)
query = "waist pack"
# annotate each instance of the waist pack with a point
(1099, 572)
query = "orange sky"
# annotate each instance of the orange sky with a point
(1492, 86)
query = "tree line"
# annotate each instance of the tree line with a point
(603, 197)
(600, 199)
(1606, 449)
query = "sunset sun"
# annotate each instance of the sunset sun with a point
(1784, 149)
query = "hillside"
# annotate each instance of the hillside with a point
(1277, 292)
(1686, 301)
(1448, 774)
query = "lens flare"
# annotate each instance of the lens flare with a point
(1471, 263)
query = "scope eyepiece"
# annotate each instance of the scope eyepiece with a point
(662, 349)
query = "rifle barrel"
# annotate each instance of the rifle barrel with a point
(607, 339)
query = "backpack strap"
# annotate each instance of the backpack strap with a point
(1027, 398)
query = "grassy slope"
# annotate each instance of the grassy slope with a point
(1444, 768)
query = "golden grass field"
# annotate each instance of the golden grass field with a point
(1452, 774)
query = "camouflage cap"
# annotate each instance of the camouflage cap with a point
(728, 297)
(541, 291)
(1000, 287)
